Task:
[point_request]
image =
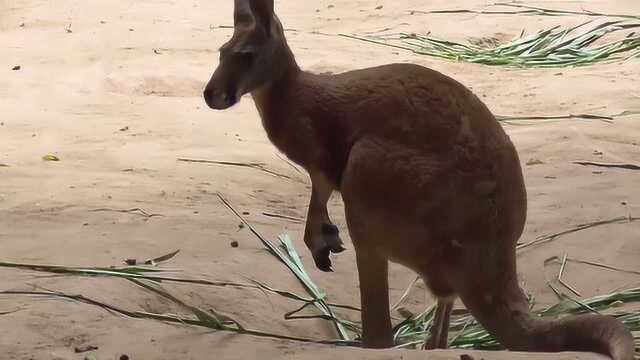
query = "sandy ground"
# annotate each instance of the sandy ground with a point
(113, 89)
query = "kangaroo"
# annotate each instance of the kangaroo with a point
(428, 177)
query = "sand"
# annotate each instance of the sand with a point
(113, 89)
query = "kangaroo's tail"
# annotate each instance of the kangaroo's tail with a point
(507, 317)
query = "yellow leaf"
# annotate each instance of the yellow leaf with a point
(50, 158)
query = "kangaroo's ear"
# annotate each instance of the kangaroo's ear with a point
(263, 13)
(243, 16)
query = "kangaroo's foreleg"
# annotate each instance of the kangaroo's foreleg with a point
(321, 236)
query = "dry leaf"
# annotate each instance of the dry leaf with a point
(50, 157)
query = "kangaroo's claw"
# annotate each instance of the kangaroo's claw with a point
(322, 260)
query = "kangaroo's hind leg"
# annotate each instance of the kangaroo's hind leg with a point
(373, 270)
(372, 260)
(385, 216)
(374, 298)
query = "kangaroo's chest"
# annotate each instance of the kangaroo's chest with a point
(314, 144)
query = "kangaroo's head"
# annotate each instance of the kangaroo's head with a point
(254, 56)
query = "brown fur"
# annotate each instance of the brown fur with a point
(428, 176)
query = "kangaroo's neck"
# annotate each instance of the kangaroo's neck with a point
(282, 80)
(273, 98)
(269, 96)
(292, 108)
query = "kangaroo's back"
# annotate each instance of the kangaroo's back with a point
(413, 104)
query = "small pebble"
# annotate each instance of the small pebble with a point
(245, 213)
(379, 7)
(124, 357)
(234, 244)
(16, 68)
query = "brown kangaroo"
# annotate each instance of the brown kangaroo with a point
(428, 177)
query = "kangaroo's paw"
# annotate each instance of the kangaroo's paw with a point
(331, 236)
(327, 242)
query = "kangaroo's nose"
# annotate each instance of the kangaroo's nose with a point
(209, 94)
(216, 99)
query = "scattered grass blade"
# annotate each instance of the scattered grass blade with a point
(287, 255)
(525, 10)
(202, 318)
(547, 238)
(554, 47)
